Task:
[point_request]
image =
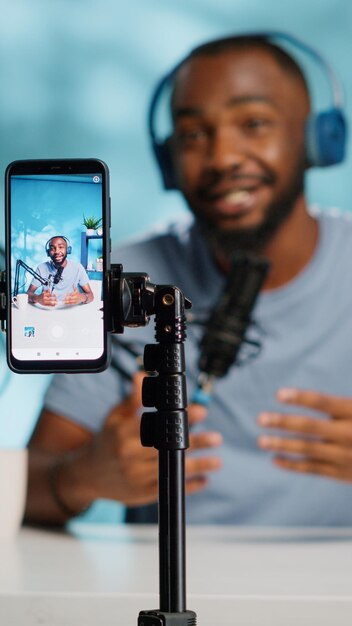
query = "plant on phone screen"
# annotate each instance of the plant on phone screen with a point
(91, 222)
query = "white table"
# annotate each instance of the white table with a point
(50, 333)
(236, 576)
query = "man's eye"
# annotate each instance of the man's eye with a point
(257, 122)
(191, 135)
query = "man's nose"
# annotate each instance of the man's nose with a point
(226, 150)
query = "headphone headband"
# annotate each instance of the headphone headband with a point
(326, 131)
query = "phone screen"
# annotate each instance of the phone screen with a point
(57, 241)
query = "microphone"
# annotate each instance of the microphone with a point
(57, 276)
(227, 325)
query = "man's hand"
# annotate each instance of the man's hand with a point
(46, 298)
(110, 464)
(316, 445)
(122, 469)
(75, 297)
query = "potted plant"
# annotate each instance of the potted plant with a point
(91, 223)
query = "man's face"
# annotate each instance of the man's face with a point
(238, 144)
(58, 250)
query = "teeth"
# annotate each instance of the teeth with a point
(237, 196)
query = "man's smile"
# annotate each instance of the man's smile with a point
(236, 197)
(58, 258)
(236, 201)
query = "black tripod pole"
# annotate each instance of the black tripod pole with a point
(171, 535)
(167, 430)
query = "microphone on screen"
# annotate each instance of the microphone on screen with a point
(57, 277)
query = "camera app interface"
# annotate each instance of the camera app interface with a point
(56, 267)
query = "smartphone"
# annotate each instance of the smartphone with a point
(57, 255)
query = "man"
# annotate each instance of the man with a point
(239, 157)
(70, 282)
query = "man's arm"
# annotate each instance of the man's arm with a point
(55, 440)
(69, 467)
(89, 294)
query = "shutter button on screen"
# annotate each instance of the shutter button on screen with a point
(56, 331)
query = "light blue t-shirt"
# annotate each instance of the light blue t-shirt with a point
(72, 277)
(305, 329)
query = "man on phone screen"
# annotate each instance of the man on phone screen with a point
(69, 282)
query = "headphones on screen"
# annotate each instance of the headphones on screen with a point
(68, 245)
(325, 132)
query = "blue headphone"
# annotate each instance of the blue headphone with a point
(68, 245)
(325, 132)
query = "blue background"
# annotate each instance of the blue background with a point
(76, 77)
(42, 208)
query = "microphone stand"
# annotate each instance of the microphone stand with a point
(19, 263)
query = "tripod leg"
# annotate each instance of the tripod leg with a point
(172, 531)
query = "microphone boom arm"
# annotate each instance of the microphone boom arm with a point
(19, 263)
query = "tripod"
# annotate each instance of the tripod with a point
(165, 429)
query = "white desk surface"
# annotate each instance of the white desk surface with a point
(104, 575)
(57, 328)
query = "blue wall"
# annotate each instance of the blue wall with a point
(76, 77)
(42, 208)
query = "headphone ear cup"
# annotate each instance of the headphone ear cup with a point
(163, 156)
(326, 135)
(69, 249)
